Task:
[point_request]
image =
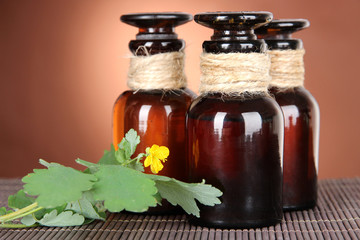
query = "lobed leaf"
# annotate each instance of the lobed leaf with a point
(85, 208)
(57, 185)
(109, 157)
(28, 220)
(138, 166)
(184, 194)
(123, 188)
(133, 139)
(40, 214)
(67, 218)
(113, 157)
(4, 211)
(129, 143)
(20, 200)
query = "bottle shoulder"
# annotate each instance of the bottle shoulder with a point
(156, 97)
(298, 97)
(208, 106)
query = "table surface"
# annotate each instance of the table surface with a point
(336, 216)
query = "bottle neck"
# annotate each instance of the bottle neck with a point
(280, 40)
(234, 41)
(274, 35)
(235, 46)
(157, 33)
(233, 35)
(284, 44)
(155, 46)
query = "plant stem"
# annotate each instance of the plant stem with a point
(24, 214)
(138, 158)
(6, 225)
(5, 218)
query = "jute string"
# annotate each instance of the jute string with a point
(159, 71)
(287, 68)
(234, 73)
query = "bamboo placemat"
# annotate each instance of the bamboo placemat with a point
(337, 216)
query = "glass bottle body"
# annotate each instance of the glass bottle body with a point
(301, 144)
(236, 145)
(159, 118)
(158, 115)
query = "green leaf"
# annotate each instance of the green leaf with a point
(113, 157)
(125, 146)
(158, 198)
(132, 137)
(4, 211)
(88, 221)
(85, 208)
(109, 157)
(57, 185)
(129, 143)
(40, 214)
(124, 188)
(28, 220)
(120, 156)
(138, 166)
(67, 218)
(184, 194)
(20, 200)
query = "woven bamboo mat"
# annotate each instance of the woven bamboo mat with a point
(337, 216)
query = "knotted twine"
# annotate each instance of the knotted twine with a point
(158, 71)
(234, 73)
(287, 68)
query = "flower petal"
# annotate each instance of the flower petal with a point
(156, 154)
(154, 149)
(148, 161)
(156, 166)
(162, 153)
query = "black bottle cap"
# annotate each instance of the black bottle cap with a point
(156, 25)
(277, 33)
(233, 31)
(283, 26)
(233, 20)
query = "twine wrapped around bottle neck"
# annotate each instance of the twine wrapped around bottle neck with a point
(234, 73)
(287, 68)
(158, 71)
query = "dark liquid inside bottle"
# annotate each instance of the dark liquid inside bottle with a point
(159, 118)
(235, 141)
(301, 116)
(158, 115)
(300, 142)
(235, 145)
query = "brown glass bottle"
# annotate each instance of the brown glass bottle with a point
(235, 142)
(301, 115)
(157, 115)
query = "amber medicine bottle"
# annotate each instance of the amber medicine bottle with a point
(300, 109)
(235, 129)
(156, 104)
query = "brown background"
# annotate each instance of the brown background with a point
(63, 64)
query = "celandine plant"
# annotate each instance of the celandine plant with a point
(62, 196)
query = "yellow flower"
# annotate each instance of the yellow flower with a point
(155, 155)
